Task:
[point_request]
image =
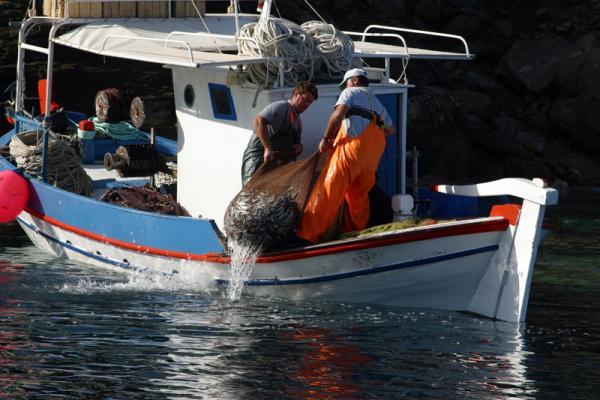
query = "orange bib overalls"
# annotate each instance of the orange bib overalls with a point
(348, 174)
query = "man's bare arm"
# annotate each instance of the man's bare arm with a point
(261, 129)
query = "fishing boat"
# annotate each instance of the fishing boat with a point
(475, 263)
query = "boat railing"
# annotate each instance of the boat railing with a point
(188, 47)
(403, 54)
(535, 190)
(366, 45)
(167, 41)
(375, 34)
(202, 34)
(233, 38)
(420, 32)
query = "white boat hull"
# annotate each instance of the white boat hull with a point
(442, 272)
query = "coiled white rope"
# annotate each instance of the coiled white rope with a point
(64, 165)
(285, 44)
(334, 49)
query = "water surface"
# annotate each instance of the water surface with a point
(68, 330)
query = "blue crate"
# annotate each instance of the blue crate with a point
(94, 149)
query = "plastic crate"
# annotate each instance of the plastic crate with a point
(94, 150)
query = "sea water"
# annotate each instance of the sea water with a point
(71, 331)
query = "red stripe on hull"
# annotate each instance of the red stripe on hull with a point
(433, 232)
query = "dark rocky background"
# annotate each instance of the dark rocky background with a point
(528, 105)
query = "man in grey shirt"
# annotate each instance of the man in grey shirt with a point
(277, 130)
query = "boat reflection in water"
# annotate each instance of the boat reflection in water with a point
(245, 349)
(328, 364)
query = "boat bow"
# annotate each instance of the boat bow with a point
(503, 292)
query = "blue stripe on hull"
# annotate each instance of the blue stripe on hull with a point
(370, 271)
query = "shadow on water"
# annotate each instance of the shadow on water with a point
(11, 235)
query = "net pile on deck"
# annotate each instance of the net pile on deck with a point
(145, 199)
(267, 210)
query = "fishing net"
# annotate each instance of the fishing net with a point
(267, 210)
(145, 199)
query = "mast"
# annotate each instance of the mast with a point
(266, 10)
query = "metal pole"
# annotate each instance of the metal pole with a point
(401, 143)
(46, 122)
(237, 24)
(20, 87)
(266, 11)
(415, 172)
(387, 71)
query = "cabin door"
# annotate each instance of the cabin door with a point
(387, 172)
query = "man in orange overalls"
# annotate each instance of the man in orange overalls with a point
(356, 133)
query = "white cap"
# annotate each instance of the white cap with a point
(349, 74)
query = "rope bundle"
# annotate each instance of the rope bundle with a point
(64, 165)
(284, 42)
(334, 49)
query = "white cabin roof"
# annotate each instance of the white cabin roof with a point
(183, 42)
(211, 41)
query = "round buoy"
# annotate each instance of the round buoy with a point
(13, 195)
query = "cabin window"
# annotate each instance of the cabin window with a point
(222, 102)
(189, 96)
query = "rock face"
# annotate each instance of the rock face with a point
(528, 105)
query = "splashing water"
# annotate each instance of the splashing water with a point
(243, 258)
(188, 278)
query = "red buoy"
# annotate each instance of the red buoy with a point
(13, 195)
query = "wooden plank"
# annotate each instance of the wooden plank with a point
(141, 7)
(107, 10)
(180, 9)
(191, 11)
(72, 9)
(127, 9)
(163, 9)
(84, 10)
(153, 9)
(96, 9)
(57, 8)
(48, 4)
(60, 8)
(184, 8)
